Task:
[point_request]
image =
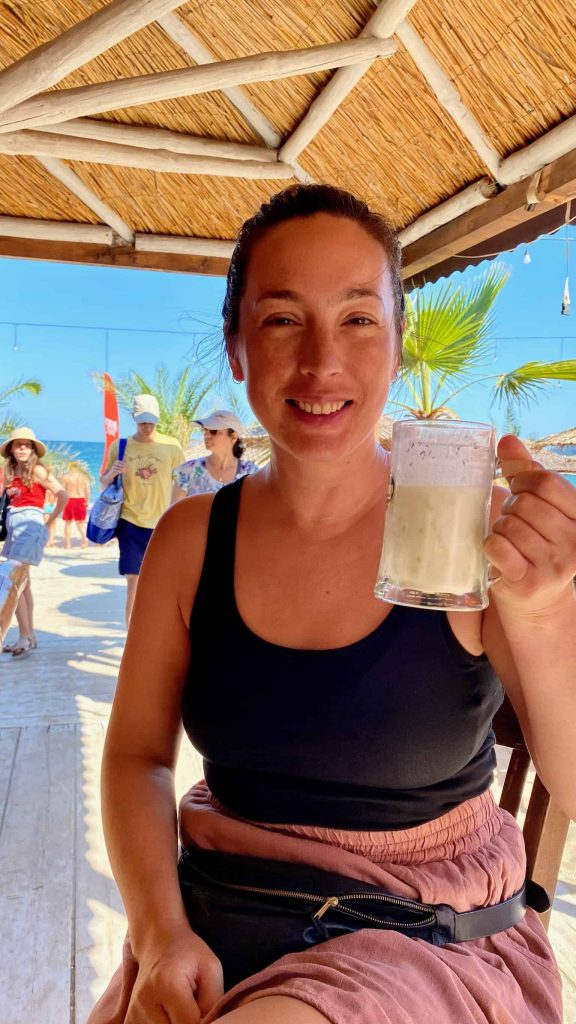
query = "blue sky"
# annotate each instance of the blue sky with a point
(159, 317)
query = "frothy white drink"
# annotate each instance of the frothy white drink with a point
(434, 538)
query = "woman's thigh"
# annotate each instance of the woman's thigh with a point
(276, 1009)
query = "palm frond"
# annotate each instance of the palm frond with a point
(520, 386)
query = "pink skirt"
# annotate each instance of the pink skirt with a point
(469, 858)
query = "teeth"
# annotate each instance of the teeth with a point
(320, 410)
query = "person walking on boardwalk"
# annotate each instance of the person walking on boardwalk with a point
(77, 484)
(27, 482)
(149, 461)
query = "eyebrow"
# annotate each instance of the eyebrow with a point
(291, 296)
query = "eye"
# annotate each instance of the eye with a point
(361, 321)
(279, 320)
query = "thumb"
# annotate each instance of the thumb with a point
(210, 987)
(514, 457)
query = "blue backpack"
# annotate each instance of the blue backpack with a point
(105, 513)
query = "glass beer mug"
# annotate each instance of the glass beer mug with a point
(438, 515)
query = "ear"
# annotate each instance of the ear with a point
(235, 365)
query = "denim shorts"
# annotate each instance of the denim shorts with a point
(26, 535)
(132, 541)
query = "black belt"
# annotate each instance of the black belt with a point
(321, 905)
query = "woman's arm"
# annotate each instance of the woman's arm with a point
(177, 493)
(529, 629)
(49, 481)
(138, 799)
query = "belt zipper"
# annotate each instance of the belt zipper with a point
(335, 901)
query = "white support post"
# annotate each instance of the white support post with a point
(551, 146)
(64, 147)
(74, 184)
(159, 138)
(56, 231)
(64, 104)
(51, 62)
(449, 97)
(382, 25)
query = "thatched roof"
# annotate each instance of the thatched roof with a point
(443, 108)
(566, 438)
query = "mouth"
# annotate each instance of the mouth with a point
(317, 408)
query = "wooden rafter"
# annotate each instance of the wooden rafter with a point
(74, 184)
(63, 104)
(50, 63)
(42, 144)
(159, 138)
(383, 23)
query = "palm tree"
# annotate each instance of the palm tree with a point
(447, 340)
(178, 396)
(8, 420)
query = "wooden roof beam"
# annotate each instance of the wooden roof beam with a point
(74, 184)
(180, 34)
(505, 212)
(111, 256)
(449, 98)
(56, 231)
(470, 197)
(42, 144)
(183, 245)
(159, 138)
(381, 25)
(51, 62)
(63, 104)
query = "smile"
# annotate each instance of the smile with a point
(319, 408)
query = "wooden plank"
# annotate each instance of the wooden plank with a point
(500, 214)
(37, 878)
(100, 920)
(9, 739)
(112, 256)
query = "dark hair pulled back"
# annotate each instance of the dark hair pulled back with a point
(239, 447)
(304, 201)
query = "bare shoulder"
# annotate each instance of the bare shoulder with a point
(41, 473)
(176, 551)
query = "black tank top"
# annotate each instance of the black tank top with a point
(386, 733)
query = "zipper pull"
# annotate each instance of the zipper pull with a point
(332, 901)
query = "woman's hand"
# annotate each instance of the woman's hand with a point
(117, 468)
(177, 984)
(532, 544)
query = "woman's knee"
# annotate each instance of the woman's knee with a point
(276, 1009)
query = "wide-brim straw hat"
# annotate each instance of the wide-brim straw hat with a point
(23, 434)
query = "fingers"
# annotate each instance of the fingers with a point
(548, 521)
(511, 467)
(504, 557)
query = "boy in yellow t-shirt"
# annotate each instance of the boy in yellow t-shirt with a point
(146, 468)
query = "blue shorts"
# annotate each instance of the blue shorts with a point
(133, 541)
(26, 535)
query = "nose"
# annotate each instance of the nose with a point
(320, 353)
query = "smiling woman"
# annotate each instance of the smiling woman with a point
(345, 840)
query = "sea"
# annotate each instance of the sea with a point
(92, 452)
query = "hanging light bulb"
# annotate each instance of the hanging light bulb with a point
(15, 345)
(526, 257)
(565, 311)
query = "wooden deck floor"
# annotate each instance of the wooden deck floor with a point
(62, 920)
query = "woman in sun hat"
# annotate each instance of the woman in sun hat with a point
(27, 481)
(222, 437)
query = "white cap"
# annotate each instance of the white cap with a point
(221, 419)
(145, 409)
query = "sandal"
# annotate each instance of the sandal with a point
(10, 648)
(24, 646)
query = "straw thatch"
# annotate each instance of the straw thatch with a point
(565, 439)
(391, 139)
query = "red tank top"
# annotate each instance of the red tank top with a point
(27, 497)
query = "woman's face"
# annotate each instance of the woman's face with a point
(219, 442)
(316, 341)
(22, 450)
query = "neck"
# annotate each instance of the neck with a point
(327, 495)
(222, 462)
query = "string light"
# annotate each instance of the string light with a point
(15, 345)
(565, 310)
(527, 257)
